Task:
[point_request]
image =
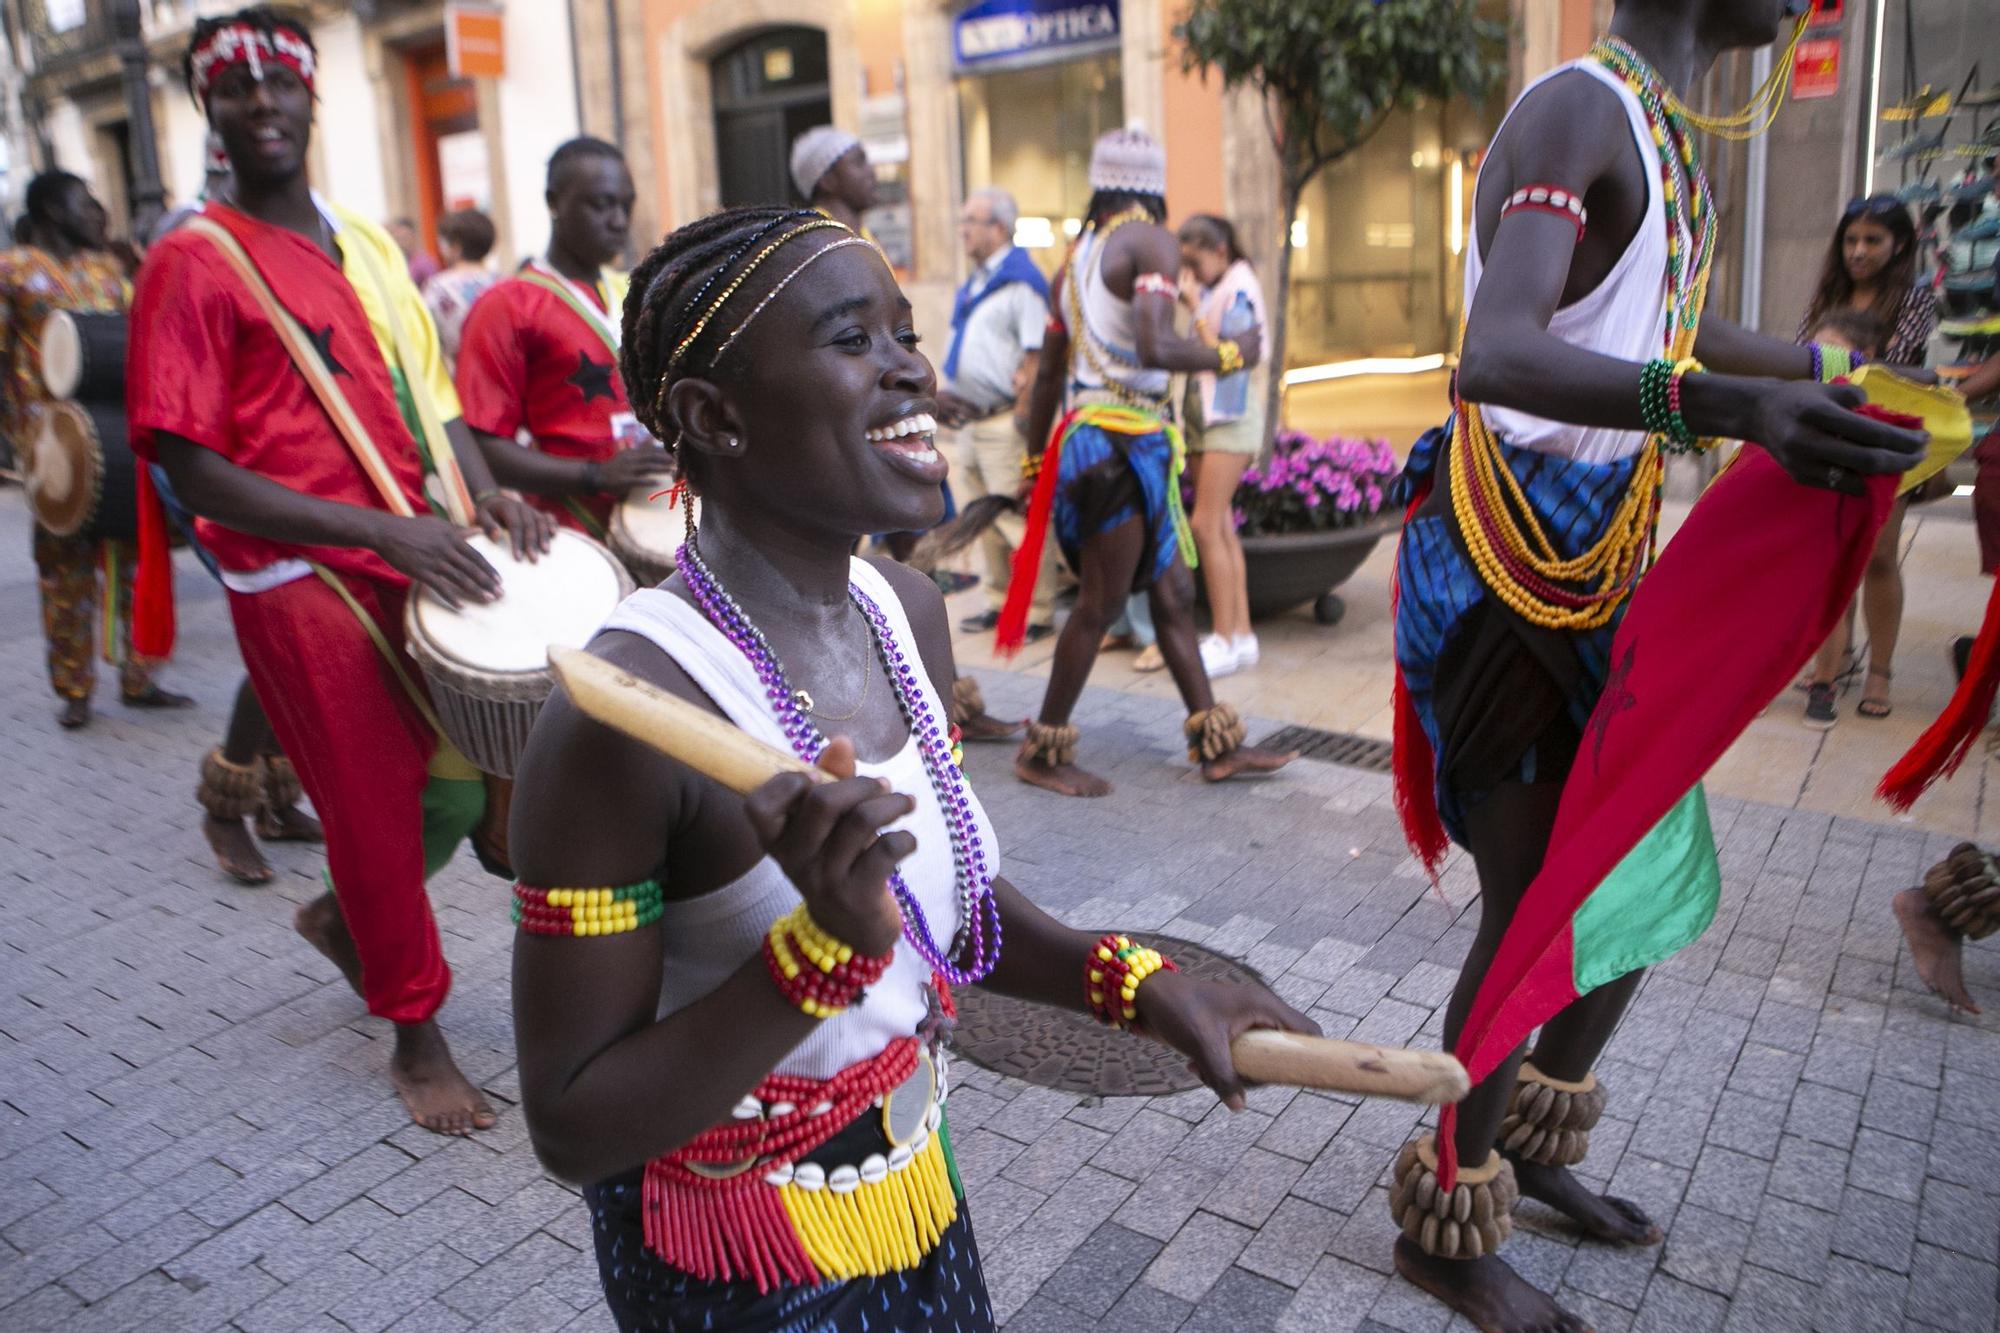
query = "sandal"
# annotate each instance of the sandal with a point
(1876, 709)
(1149, 659)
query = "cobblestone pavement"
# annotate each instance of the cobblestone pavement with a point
(196, 1129)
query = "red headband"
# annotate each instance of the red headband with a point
(242, 44)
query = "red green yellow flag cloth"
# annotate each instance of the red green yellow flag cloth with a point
(1754, 582)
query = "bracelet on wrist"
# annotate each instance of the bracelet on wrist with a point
(816, 973)
(481, 497)
(1113, 974)
(1660, 403)
(1682, 437)
(1832, 363)
(1229, 357)
(1031, 466)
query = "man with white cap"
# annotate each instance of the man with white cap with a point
(1109, 479)
(832, 174)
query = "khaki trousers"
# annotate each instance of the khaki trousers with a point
(987, 460)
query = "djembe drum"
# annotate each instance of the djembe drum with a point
(83, 355)
(487, 664)
(81, 477)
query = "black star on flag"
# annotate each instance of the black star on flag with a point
(322, 341)
(592, 378)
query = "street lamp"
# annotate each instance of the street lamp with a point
(149, 196)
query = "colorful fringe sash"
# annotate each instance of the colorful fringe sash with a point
(782, 1222)
(1012, 629)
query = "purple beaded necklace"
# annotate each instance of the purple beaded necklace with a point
(979, 933)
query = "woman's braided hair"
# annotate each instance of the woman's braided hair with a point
(670, 289)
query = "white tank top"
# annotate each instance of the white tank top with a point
(1110, 331)
(706, 939)
(1624, 316)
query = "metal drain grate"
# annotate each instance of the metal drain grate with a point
(1333, 747)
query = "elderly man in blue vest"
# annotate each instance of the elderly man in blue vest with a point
(996, 331)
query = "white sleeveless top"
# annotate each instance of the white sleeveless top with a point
(706, 939)
(1624, 316)
(1109, 327)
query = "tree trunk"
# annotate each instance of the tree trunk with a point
(1280, 305)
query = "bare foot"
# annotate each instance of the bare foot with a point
(290, 824)
(986, 727)
(321, 925)
(1062, 779)
(1486, 1291)
(439, 1097)
(236, 851)
(1935, 948)
(1246, 759)
(1617, 1221)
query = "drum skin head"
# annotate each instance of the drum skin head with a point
(558, 601)
(62, 355)
(65, 470)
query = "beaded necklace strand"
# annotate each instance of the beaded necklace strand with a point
(1095, 352)
(1514, 556)
(978, 934)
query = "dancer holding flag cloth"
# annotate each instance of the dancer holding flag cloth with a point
(1544, 715)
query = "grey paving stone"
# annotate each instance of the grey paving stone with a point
(1887, 1165)
(1250, 1191)
(1168, 1196)
(1144, 1307)
(1197, 1256)
(1054, 1157)
(1673, 1306)
(1729, 1183)
(1950, 1290)
(1043, 1315)
(1305, 1126)
(1099, 1270)
(1137, 1149)
(1335, 1298)
(1963, 1220)
(1749, 1125)
(1875, 1230)
(1768, 1302)
(1899, 1108)
(1824, 1115)
(1791, 1239)
(1705, 1249)
(1291, 1242)
(1238, 1301)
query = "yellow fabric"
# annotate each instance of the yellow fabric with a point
(430, 373)
(1942, 410)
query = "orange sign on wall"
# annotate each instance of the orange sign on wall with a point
(475, 41)
(1816, 68)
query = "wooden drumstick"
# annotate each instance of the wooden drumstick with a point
(1269, 1056)
(742, 763)
(670, 724)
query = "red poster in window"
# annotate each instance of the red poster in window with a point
(1816, 68)
(1824, 13)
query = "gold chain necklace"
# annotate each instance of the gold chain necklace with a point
(805, 700)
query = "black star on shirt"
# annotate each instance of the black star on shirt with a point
(591, 378)
(322, 341)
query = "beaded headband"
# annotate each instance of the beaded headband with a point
(244, 44)
(722, 298)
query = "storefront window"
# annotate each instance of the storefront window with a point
(1378, 244)
(1029, 131)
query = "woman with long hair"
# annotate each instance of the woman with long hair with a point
(758, 1149)
(1871, 273)
(1225, 429)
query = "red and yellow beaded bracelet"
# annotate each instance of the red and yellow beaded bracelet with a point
(818, 974)
(1111, 977)
(602, 910)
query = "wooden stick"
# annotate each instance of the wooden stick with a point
(741, 762)
(1268, 1056)
(673, 726)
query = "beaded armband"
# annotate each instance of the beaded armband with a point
(1660, 403)
(1547, 199)
(1156, 283)
(1112, 974)
(1228, 356)
(816, 972)
(605, 910)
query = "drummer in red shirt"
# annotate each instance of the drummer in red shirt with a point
(321, 529)
(539, 353)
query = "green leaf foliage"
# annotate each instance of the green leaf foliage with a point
(1333, 70)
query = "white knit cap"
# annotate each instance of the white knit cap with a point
(815, 152)
(1130, 161)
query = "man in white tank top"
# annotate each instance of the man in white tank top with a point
(1575, 370)
(1108, 484)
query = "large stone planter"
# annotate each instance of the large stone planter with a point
(1296, 568)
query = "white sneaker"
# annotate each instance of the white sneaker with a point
(1218, 656)
(1245, 647)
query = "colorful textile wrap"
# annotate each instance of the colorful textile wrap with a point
(1758, 576)
(244, 44)
(1436, 593)
(1083, 490)
(604, 910)
(751, 1200)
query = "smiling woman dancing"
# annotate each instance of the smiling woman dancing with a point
(761, 1150)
